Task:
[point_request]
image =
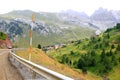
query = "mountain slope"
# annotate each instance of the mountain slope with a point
(48, 29)
(104, 18)
(39, 57)
(52, 28)
(103, 15)
(4, 41)
(99, 54)
(101, 18)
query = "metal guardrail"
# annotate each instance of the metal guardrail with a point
(47, 73)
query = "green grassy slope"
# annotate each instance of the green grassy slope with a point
(2, 36)
(114, 74)
(72, 34)
(99, 55)
(40, 58)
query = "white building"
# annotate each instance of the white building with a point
(98, 32)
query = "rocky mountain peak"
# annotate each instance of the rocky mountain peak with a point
(103, 15)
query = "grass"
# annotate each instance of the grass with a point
(88, 45)
(115, 73)
(70, 34)
(39, 57)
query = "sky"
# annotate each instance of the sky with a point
(87, 6)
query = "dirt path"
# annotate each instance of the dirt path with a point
(7, 71)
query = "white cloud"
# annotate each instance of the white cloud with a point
(87, 6)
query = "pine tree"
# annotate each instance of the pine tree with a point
(102, 55)
(112, 46)
(118, 47)
(39, 46)
(110, 53)
(119, 59)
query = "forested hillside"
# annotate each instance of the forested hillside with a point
(99, 54)
(2, 36)
(5, 41)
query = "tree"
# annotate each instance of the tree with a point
(119, 59)
(117, 26)
(108, 30)
(93, 53)
(117, 40)
(112, 46)
(75, 64)
(39, 46)
(113, 58)
(84, 70)
(100, 45)
(99, 39)
(118, 47)
(63, 58)
(93, 62)
(84, 46)
(110, 52)
(93, 40)
(107, 63)
(102, 55)
(70, 62)
(108, 36)
(66, 59)
(106, 43)
(71, 53)
(81, 63)
(1, 34)
(96, 46)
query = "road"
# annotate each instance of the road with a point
(7, 71)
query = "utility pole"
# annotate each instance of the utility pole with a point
(31, 30)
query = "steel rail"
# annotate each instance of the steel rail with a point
(47, 73)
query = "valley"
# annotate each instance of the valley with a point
(91, 44)
(54, 28)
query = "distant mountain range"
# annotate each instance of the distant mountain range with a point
(52, 28)
(49, 28)
(101, 19)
